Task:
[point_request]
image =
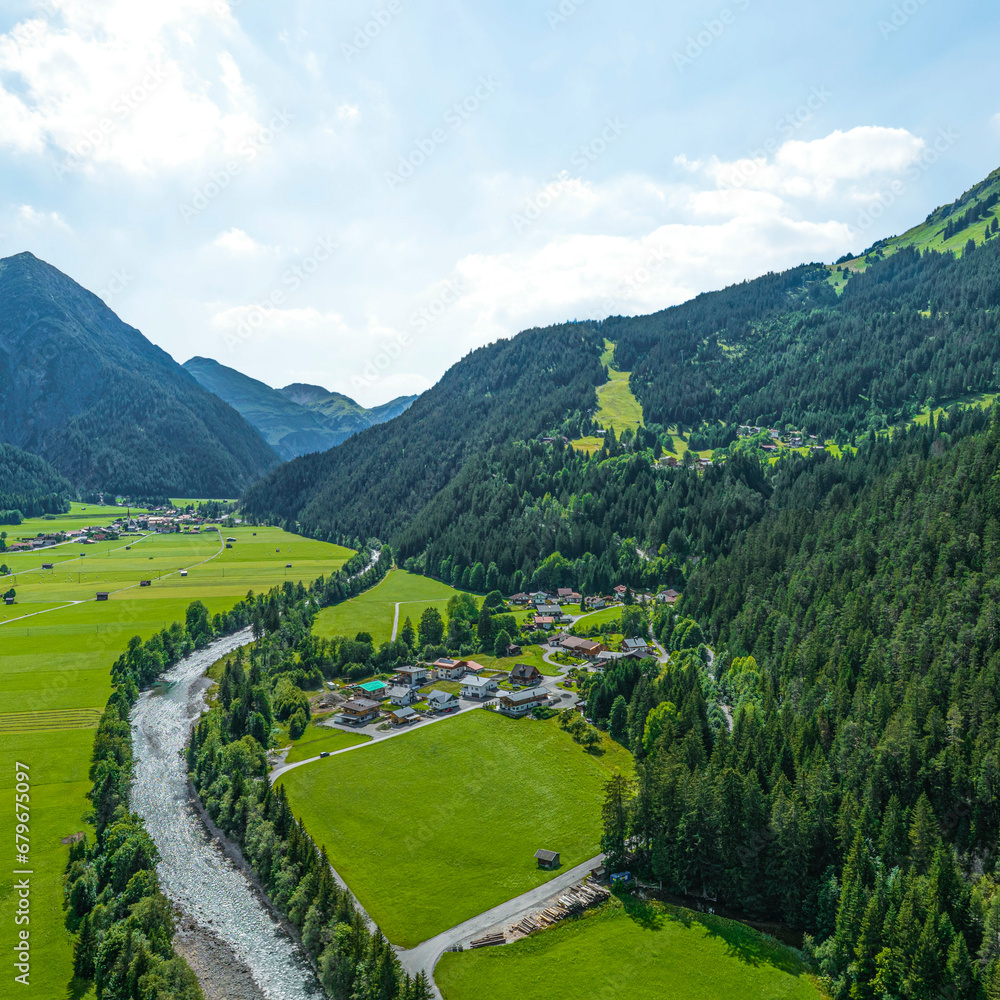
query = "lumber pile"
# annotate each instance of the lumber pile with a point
(573, 901)
(488, 941)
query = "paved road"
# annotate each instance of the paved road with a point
(395, 622)
(425, 955)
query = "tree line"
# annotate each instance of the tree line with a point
(122, 923)
(854, 790)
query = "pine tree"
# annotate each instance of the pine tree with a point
(408, 634)
(853, 901)
(84, 950)
(618, 722)
(892, 841)
(421, 988)
(924, 834)
(484, 628)
(959, 978)
(617, 796)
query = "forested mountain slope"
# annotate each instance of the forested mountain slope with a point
(853, 790)
(950, 227)
(786, 349)
(29, 486)
(105, 406)
(375, 482)
(857, 634)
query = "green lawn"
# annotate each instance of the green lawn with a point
(529, 654)
(436, 826)
(317, 739)
(55, 664)
(636, 950)
(373, 611)
(597, 618)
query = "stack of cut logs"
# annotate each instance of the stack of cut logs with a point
(575, 900)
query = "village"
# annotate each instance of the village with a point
(410, 696)
(163, 521)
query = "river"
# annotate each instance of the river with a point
(194, 871)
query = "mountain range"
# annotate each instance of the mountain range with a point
(835, 350)
(296, 420)
(107, 408)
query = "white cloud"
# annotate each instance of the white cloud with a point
(117, 83)
(852, 164)
(348, 113)
(33, 217)
(238, 242)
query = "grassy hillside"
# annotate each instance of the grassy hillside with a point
(374, 611)
(950, 227)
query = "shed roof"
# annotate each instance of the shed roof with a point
(547, 856)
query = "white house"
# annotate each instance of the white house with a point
(479, 687)
(442, 701)
(640, 646)
(402, 695)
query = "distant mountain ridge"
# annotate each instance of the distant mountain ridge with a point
(337, 405)
(297, 420)
(835, 351)
(107, 408)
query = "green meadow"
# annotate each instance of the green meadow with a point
(81, 515)
(443, 823)
(57, 644)
(319, 739)
(644, 951)
(617, 406)
(374, 610)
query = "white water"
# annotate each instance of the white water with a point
(194, 871)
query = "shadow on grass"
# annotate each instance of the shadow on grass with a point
(749, 946)
(649, 916)
(78, 988)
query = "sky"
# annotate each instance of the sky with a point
(357, 194)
